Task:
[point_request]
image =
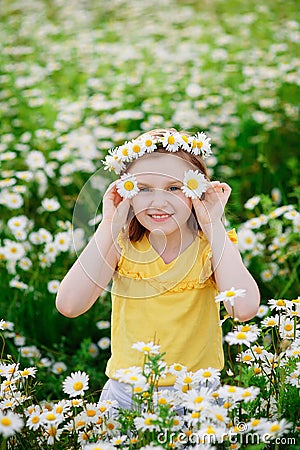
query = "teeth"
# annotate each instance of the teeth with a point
(161, 216)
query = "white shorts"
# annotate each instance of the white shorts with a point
(121, 392)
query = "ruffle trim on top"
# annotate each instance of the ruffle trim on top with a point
(169, 285)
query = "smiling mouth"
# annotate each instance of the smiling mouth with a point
(160, 217)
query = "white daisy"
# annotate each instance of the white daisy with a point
(200, 145)
(170, 142)
(59, 367)
(103, 324)
(246, 239)
(53, 286)
(76, 384)
(146, 348)
(230, 296)
(127, 186)
(50, 204)
(10, 424)
(280, 304)
(104, 343)
(137, 149)
(112, 162)
(183, 141)
(194, 184)
(252, 202)
(146, 422)
(124, 152)
(148, 144)
(240, 337)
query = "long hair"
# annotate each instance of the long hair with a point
(136, 230)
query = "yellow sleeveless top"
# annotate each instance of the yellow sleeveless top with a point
(171, 304)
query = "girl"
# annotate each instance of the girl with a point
(163, 243)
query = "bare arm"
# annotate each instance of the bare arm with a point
(95, 266)
(229, 269)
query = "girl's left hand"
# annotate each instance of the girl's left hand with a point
(211, 208)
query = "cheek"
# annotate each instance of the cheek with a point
(138, 204)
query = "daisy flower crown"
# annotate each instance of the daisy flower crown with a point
(194, 182)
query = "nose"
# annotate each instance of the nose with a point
(159, 197)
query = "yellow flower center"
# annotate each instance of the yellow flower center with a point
(50, 416)
(137, 390)
(248, 240)
(35, 419)
(146, 348)
(246, 328)
(91, 413)
(59, 409)
(246, 394)
(288, 327)
(219, 417)
(258, 350)
(148, 142)
(275, 427)
(162, 401)
(271, 322)
(148, 421)
(5, 421)
(128, 185)
(136, 148)
(192, 184)
(24, 373)
(187, 380)
(230, 294)
(247, 358)
(78, 386)
(80, 423)
(231, 389)
(195, 415)
(210, 430)
(255, 422)
(133, 378)
(185, 138)
(198, 400)
(177, 367)
(171, 140)
(280, 302)
(125, 151)
(185, 388)
(200, 144)
(241, 336)
(206, 374)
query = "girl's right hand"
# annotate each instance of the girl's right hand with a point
(114, 207)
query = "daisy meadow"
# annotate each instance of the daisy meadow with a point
(194, 184)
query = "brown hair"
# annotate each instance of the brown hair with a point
(135, 229)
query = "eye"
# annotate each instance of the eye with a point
(144, 189)
(174, 188)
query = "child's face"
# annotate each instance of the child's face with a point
(161, 204)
